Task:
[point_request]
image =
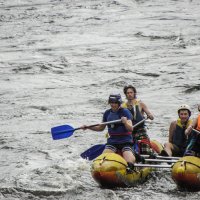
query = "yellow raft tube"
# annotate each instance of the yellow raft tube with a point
(109, 170)
(186, 173)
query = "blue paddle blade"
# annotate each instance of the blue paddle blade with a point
(93, 152)
(60, 132)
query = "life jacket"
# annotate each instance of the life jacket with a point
(196, 137)
(193, 147)
(117, 132)
(179, 137)
(136, 112)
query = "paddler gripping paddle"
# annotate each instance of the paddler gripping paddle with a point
(97, 150)
(65, 131)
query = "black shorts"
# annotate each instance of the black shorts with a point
(177, 151)
(120, 147)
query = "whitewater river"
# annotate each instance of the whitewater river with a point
(60, 60)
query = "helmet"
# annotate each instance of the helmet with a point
(184, 107)
(129, 87)
(115, 98)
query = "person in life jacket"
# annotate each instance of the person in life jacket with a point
(120, 137)
(177, 139)
(193, 134)
(138, 109)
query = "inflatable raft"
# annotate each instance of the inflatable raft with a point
(156, 146)
(186, 173)
(109, 170)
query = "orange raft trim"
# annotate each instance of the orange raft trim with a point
(186, 173)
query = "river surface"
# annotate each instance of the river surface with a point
(60, 60)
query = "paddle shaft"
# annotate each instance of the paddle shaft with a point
(140, 122)
(163, 157)
(154, 166)
(110, 122)
(159, 160)
(105, 123)
(196, 131)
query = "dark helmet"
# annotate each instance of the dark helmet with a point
(129, 87)
(184, 107)
(115, 98)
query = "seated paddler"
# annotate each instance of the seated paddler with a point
(120, 134)
(177, 139)
(193, 134)
(138, 109)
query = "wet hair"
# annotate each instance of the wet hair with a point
(130, 87)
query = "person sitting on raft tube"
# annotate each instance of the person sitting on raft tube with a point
(193, 145)
(120, 137)
(138, 109)
(177, 138)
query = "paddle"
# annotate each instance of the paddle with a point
(97, 150)
(65, 131)
(93, 152)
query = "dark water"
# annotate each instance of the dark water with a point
(59, 61)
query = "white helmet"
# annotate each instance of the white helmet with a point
(184, 107)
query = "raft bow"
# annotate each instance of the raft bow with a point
(109, 170)
(186, 173)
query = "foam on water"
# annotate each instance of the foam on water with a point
(59, 61)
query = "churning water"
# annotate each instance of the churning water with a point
(59, 61)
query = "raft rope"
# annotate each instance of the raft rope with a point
(104, 159)
(188, 163)
(135, 170)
